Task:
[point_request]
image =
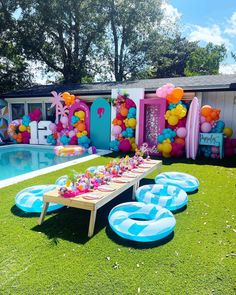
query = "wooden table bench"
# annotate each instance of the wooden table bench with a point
(104, 197)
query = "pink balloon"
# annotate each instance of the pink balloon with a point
(206, 127)
(74, 140)
(64, 120)
(181, 132)
(123, 127)
(116, 130)
(129, 103)
(53, 127)
(160, 92)
(71, 133)
(125, 146)
(202, 119)
(120, 117)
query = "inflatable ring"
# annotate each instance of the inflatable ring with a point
(12, 128)
(31, 199)
(141, 222)
(167, 196)
(185, 181)
(69, 151)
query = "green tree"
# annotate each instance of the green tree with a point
(130, 23)
(205, 60)
(14, 69)
(61, 34)
(166, 56)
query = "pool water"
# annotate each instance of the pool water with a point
(17, 160)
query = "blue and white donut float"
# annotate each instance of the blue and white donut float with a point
(31, 199)
(141, 222)
(185, 181)
(167, 196)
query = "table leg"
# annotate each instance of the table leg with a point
(92, 223)
(135, 187)
(43, 213)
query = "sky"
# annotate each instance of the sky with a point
(200, 20)
(207, 21)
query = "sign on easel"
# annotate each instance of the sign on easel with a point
(212, 139)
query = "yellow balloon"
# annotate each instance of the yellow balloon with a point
(173, 120)
(160, 147)
(79, 134)
(22, 128)
(132, 123)
(166, 148)
(85, 132)
(228, 131)
(81, 115)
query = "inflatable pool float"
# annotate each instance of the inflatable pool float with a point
(69, 151)
(31, 199)
(192, 126)
(167, 196)
(185, 181)
(154, 222)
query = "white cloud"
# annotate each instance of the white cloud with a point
(171, 15)
(211, 34)
(231, 29)
(170, 11)
(227, 69)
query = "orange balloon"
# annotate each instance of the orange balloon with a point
(116, 122)
(213, 115)
(180, 140)
(208, 118)
(172, 99)
(177, 94)
(124, 111)
(81, 126)
(206, 110)
(66, 95)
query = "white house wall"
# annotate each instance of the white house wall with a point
(226, 102)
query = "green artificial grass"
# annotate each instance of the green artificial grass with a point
(58, 258)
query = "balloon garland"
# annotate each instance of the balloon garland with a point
(171, 142)
(69, 130)
(124, 125)
(19, 130)
(211, 123)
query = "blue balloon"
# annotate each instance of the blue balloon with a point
(114, 145)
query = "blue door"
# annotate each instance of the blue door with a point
(100, 123)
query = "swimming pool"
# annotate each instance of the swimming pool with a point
(21, 161)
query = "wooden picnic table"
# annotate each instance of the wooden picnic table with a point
(88, 202)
